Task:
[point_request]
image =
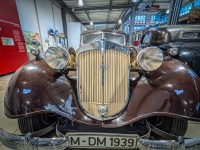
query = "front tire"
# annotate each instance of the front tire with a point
(174, 126)
(35, 123)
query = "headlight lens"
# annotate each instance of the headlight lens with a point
(57, 57)
(150, 58)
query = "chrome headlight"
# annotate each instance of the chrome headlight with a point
(57, 57)
(150, 58)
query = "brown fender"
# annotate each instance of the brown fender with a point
(172, 90)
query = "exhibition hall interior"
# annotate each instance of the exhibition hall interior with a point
(100, 74)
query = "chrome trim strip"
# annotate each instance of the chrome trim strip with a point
(25, 142)
(102, 48)
(108, 45)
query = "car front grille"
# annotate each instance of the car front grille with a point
(103, 84)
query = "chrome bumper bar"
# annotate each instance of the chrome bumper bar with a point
(180, 144)
(26, 142)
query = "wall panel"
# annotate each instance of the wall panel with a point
(12, 55)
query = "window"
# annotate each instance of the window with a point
(185, 9)
(152, 19)
(196, 3)
(161, 17)
(140, 19)
(138, 27)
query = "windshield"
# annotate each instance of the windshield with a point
(116, 38)
(158, 37)
(89, 38)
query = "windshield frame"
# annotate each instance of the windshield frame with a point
(103, 36)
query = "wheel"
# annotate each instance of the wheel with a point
(174, 126)
(35, 123)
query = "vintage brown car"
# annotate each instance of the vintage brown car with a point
(104, 101)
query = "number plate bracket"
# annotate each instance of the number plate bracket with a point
(102, 140)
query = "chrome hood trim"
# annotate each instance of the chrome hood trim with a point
(103, 44)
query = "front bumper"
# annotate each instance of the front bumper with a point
(26, 142)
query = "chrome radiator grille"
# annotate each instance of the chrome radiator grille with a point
(111, 90)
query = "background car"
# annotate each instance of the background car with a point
(182, 42)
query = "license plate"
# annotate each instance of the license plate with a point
(102, 140)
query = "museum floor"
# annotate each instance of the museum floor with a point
(12, 126)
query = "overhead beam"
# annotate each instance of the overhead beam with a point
(110, 7)
(162, 2)
(143, 7)
(104, 22)
(138, 3)
(108, 13)
(65, 8)
(122, 14)
(126, 10)
(126, 15)
(174, 12)
(89, 17)
(130, 39)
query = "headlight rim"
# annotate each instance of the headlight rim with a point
(143, 51)
(64, 51)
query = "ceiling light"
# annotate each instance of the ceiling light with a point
(80, 3)
(120, 21)
(91, 23)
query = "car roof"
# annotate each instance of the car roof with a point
(172, 28)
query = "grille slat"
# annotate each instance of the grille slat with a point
(115, 90)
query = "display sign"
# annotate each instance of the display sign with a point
(12, 47)
(7, 41)
(32, 40)
(152, 8)
(161, 17)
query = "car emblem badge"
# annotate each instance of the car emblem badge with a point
(103, 110)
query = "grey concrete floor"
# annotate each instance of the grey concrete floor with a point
(11, 125)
